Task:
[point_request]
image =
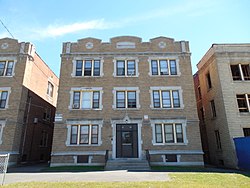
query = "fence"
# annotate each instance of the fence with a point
(243, 152)
(4, 158)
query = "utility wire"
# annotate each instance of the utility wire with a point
(7, 29)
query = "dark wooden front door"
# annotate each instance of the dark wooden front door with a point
(126, 141)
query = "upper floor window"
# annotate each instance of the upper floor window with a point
(44, 139)
(86, 98)
(125, 67)
(209, 82)
(243, 102)
(50, 89)
(6, 68)
(126, 98)
(2, 125)
(246, 131)
(4, 93)
(240, 71)
(84, 134)
(87, 68)
(218, 141)
(163, 67)
(212, 104)
(166, 97)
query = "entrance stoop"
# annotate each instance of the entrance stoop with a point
(127, 164)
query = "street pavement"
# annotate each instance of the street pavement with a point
(33, 173)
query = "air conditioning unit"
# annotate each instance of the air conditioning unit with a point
(76, 106)
(35, 120)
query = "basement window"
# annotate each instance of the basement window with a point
(82, 159)
(171, 158)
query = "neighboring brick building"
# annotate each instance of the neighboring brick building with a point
(129, 97)
(28, 94)
(223, 96)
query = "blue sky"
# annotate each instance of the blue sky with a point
(49, 23)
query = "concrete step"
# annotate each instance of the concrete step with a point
(127, 164)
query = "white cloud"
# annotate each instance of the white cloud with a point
(4, 35)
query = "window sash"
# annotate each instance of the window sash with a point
(74, 134)
(169, 133)
(130, 67)
(213, 108)
(158, 133)
(176, 99)
(96, 99)
(209, 83)
(84, 134)
(166, 99)
(97, 66)
(87, 68)
(94, 135)
(79, 66)
(218, 141)
(246, 71)
(131, 95)
(154, 67)
(3, 99)
(173, 68)
(76, 100)
(2, 68)
(120, 68)
(156, 99)
(235, 69)
(120, 99)
(86, 100)
(163, 67)
(243, 101)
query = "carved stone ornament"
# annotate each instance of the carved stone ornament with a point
(4, 46)
(162, 44)
(89, 45)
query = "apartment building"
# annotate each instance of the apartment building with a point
(126, 99)
(28, 96)
(223, 98)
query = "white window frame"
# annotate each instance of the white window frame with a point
(126, 89)
(170, 121)
(7, 59)
(126, 59)
(50, 89)
(169, 88)
(8, 89)
(83, 122)
(73, 74)
(2, 125)
(168, 58)
(85, 89)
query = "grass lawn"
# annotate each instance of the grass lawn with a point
(189, 179)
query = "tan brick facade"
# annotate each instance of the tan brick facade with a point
(229, 121)
(24, 77)
(108, 116)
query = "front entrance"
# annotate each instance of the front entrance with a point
(127, 141)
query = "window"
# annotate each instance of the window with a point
(44, 139)
(47, 114)
(166, 99)
(202, 114)
(2, 125)
(209, 82)
(87, 68)
(3, 99)
(169, 133)
(125, 68)
(243, 102)
(50, 89)
(163, 67)
(6, 68)
(199, 92)
(171, 158)
(82, 158)
(246, 131)
(126, 99)
(84, 134)
(86, 98)
(217, 137)
(213, 108)
(240, 71)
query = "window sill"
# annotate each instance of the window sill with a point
(166, 108)
(87, 76)
(87, 109)
(178, 75)
(244, 113)
(169, 144)
(82, 145)
(7, 76)
(134, 76)
(122, 109)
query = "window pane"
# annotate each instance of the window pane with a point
(131, 68)
(84, 134)
(217, 137)
(246, 131)
(179, 134)
(96, 99)
(246, 71)
(166, 101)
(242, 103)
(158, 133)
(131, 99)
(164, 67)
(96, 68)
(235, 72)
(86, 100)
(169, 136)
(74, 130)
(213, 108)
(209, 83)
(120, 68)
(87, 68)
(173, 69)
(94, 136)
(3, 99)
(120, 99)
(2, 67)
(176, 99)
(9, 68)
(154, 67)
(76, 100)
(78, 68)
(156, 99)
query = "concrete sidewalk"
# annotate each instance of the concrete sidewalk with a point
(97, 176)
